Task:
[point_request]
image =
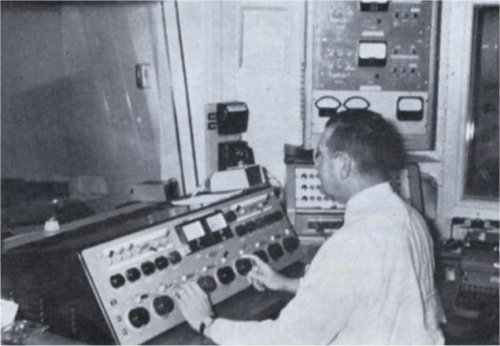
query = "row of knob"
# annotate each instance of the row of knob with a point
(163, 304)
(256, 224)
(147, 268)
(133, 274)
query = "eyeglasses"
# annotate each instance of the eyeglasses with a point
(317, 156)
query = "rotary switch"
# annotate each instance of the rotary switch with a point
(163, 305)
(262, 255)
(225, 275)
(231, 216)
(161, 262)
(251, 226)
(133, 274)
(275, 251)
(138, 317)
(243, 266)
(290, 244)
(148, 268)
(117, 280)
(174, 257)
(207, 283)
(241, 230)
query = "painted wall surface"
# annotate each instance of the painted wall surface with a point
(236, 66)
(250, 52)
(70, 104)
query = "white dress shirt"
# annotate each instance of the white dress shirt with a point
(370, 283)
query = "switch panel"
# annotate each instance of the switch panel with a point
(386, 55)
(134, 276)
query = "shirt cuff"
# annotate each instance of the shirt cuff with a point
(209, 329)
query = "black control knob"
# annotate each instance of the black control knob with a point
(231, 216)
(251, 226)
(262, 255)
(241, 230)
(161, 262)
(268, 219)
(117, 280)
(174, 257)
(225, 275)
(148, 268)
(133, 274)
(207, 283)
(275, 251)
(243, 266)
(278, 215)
(290, 244)
(138, 317)
(163, 305)
(260, 222)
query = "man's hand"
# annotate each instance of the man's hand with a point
(193, 303)
(263, 276)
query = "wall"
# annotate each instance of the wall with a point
(216, 72)
(227, 59)
(70, 104)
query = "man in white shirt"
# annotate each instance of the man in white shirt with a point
(372, 281)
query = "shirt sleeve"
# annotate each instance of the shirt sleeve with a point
(319, 310)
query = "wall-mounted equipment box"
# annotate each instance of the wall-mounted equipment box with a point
(384, 52)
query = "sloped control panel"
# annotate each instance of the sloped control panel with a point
(134, 276)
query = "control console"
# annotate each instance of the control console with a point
(133, 276)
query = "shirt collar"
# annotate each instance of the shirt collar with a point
(367, 200)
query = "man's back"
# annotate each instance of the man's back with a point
(392, 274)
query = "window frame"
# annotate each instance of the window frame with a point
(458, 29)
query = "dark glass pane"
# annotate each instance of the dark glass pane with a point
(482, 128)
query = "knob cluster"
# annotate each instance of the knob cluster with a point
(254, 225)
(146, 268)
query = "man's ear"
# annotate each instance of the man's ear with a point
(346, 165)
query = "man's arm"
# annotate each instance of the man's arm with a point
(319, 311)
